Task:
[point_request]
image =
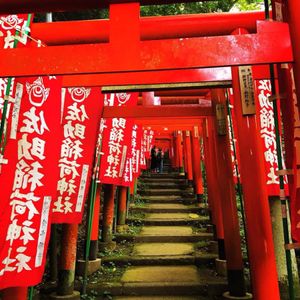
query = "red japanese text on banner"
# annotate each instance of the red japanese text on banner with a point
(144, 140)
(81, 118)
(128, 174)
(136, 149)
(121, 99)
(268, 136)
(115, 143)
(132, 160)
(149, 142)
(28, 182)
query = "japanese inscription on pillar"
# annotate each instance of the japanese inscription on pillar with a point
(221, 114)
(247, 90)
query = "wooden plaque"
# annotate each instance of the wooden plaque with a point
(221, 119)
(247, 90)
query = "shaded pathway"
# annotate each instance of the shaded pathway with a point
(169, 259)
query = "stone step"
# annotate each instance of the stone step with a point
(199, 260)
(163, 249)
(165, 234)
(160, 298)
(164, 280)
(165, 185)
(162, 179)
(169, 192)
(168, 219)
(170, 207)
(168, 175)
(164, 239)
(209, 290)
(169, 199)
(158, 222)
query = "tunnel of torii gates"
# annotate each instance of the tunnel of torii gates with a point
(206, 53)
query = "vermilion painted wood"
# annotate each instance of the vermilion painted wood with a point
(260, 48)
(97, 31)
(214, 194)
(16, 293)
(108, 212)
(96, 215)
(153, 77)
(69, 245)
(185, 155)
(177, 100)
(156, 111)
(294, 21)
(183, 92)
(124, 32)
(148, 99)
(187, 141)
(259, 230)
(179, 149)
(196, 156)
(228, 202)
(170, 122)
(122, 204)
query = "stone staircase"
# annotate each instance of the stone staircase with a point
(165, 262)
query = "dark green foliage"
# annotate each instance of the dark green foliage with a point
(187, 8)
(78, 15)
(158, 10)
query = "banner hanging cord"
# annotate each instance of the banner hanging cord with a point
(239, 186)
(93, 192)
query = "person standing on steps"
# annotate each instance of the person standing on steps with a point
(159, 160)
(153, 159)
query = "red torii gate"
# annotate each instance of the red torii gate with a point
(159, 57)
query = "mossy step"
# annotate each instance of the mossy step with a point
(177, 180)
(169, 199)
(161, 221)
(165, 185)
(169, 207)
(158, 191)
(199, 260)
(152, 297)
(152, 238)
(163, 281)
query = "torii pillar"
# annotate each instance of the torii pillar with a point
(108, 216)
(214, 194)
(179, 151)
(235, 265)
(294, 22)
(95, 225)
(15, 293)
(259, 230)
(122, 209)
(196, 156)
(188, 154)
